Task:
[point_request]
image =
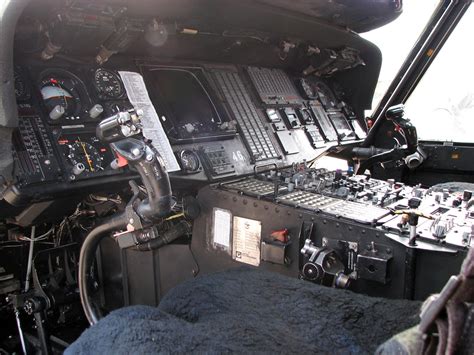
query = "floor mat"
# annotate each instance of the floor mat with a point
(247, 310)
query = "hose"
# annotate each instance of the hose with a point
(86, 259)
(180, 229)
(366, 153)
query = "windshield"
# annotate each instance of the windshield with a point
(442, 104)
(396, 40)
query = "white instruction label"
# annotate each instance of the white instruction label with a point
(246, 240)
(221, 230)
(152, 128)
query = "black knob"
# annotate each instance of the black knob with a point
(395, 112)
(414, 202)
(312, 271)
(34, 305)
(467, 195)
(457, 202)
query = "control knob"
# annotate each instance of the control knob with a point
(439, 231)
(414, 202)
(457, 202)
(445, 194)
(57, 112)
(78, 169)
(467, 195)
(96, 111)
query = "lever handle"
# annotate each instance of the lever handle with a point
(147, 162)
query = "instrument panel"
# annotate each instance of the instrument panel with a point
(84, 154)
(221, 121)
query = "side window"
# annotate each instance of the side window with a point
(442, 104)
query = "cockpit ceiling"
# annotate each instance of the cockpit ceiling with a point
(360, 16)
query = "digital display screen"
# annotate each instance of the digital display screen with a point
(183, 102)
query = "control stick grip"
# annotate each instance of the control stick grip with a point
(147, 162)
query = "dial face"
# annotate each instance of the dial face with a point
(108, 83)
(85, 154)
(62, 89)
(21, 89)
(189, 161)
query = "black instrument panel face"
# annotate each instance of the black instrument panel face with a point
(83, 154)
(34, 153)
(68, 95)
(222, 121)
(186, 105)
(59, 108)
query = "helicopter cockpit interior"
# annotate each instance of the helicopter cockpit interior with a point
(150, 149)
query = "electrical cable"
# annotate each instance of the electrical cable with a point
(30, 258)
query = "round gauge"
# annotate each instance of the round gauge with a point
(189, 161)
(108, 83)
(85, 154)
(63, 94)
(21, 89)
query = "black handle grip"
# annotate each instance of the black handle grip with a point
(147, 163)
